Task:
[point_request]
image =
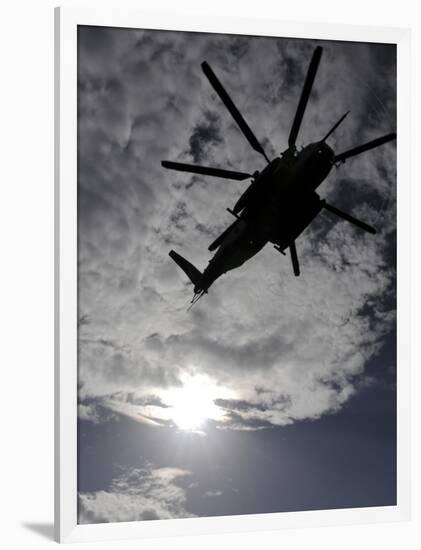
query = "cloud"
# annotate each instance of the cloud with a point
(94, 412)
(213, 493)
(288, 348)
(136, 494)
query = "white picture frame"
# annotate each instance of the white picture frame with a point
(66, 22)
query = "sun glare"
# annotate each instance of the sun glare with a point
(194, 403)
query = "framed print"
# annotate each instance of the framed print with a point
(232, 265)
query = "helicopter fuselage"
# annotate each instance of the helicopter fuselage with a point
(277, 207)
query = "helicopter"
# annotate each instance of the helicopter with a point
(281, 200)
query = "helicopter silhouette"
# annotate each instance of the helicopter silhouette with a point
(281, 200)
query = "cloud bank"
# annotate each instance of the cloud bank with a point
(285, 348)
(136, 494)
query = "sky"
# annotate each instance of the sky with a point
(274, 393)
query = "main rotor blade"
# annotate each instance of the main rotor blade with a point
(294, 259)
(205, 170)
(305, 94)
(343, 117)
(366, 147)
(235, 113)
(349, 218)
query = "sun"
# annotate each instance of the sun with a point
(192, 404)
